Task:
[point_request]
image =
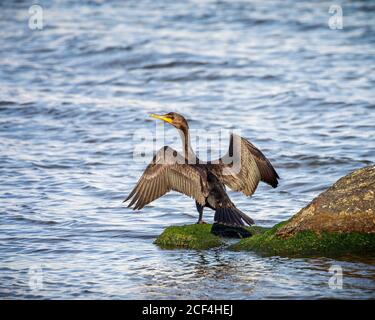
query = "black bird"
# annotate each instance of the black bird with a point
(204, 181)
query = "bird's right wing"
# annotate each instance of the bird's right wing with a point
(167, 172)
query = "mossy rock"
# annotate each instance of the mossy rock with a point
(265, 241)
(348, 206)
(194, 236)
(339, 221)
(308, 243)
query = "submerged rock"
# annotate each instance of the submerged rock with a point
(341, 220)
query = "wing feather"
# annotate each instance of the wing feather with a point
(165, 173)
(244, 166)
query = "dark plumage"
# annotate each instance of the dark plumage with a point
(205, 182)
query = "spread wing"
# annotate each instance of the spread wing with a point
(244, 166)
(168, 171)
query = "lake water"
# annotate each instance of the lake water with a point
(73, 94)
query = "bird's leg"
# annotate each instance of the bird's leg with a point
(200, 210)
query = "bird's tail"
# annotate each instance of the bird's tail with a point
(232, 216)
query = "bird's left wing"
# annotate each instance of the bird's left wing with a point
(165, 173)
(244, 166)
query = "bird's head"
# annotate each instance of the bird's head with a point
(173, 118)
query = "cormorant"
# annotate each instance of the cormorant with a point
(204, 181)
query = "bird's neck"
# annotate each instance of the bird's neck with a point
(187, 149)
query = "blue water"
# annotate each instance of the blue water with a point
(73, 94)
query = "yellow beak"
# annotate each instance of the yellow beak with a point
(164, 118)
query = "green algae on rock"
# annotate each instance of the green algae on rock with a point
(308, 243)
(194, 236)
(341, 220)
